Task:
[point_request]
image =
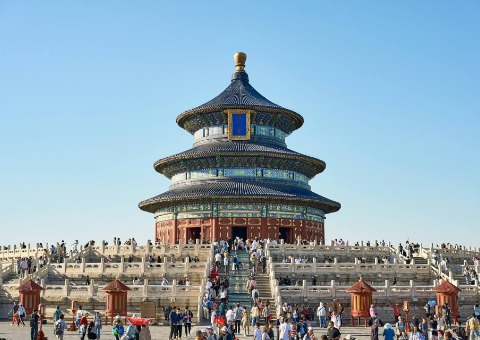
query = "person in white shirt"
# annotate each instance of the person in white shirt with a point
(284, 330)
(322, 313)
(298, 260)
(257, 334)
(218, 259)
(229, 316)
(136, 281)
(78, 316)
(225, 264)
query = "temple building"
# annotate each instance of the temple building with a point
(239, 178)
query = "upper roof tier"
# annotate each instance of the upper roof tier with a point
(240, 95)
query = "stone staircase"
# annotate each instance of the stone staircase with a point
(238, 281)
(238, 287)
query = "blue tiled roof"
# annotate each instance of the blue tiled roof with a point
(236, 147)
(240, 94)
(231, 189)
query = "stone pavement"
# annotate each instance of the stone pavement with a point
(158, 332)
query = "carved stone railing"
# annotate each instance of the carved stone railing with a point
(414, 292)
(356, 267)
(298, 249)
(144, 269)
(82, 293)
(7, 268)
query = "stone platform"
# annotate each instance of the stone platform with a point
(158, 332)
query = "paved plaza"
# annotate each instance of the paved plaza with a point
(158, 332)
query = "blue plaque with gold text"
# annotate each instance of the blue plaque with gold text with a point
(238, 124)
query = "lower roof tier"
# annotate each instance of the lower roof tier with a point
(239, 154)
(233, 191)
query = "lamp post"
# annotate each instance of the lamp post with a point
(41, 311)
(73, 327)
(406, 309)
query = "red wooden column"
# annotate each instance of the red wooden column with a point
(116, 299)
(448, 293)
(29, 295)
(361, 300)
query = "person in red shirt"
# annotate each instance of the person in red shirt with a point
(396, 311)
(83, 326)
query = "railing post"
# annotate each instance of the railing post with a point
(83, 265)
(91, 288)
(102, 265)
(145, 288)
(148, 248)
(121, 268)
(66, 288)
(334, 288)
(142, 265)
(131, 249)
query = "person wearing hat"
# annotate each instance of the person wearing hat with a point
(309, 335)
(223, 333)
(117, 328)
(388, 332)
(210, 334)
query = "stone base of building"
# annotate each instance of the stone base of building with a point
(223, 228)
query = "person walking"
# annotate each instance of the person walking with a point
(472, 328)
(60, 327)
(237, 316)
(34, 325)
(322, 315)
(14, 312)
(187, 321)
(374, 330)
(284, 330)
(98, 324)
(83, 326)
(255, 314)
(245, 323)
(21, 315)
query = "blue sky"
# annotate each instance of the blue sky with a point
(89, 93)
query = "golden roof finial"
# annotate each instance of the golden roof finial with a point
(240, 59)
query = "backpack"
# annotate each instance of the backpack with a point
(58, 329)
(474, 323)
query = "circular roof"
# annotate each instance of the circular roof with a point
(236, 190)
(240, 95)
